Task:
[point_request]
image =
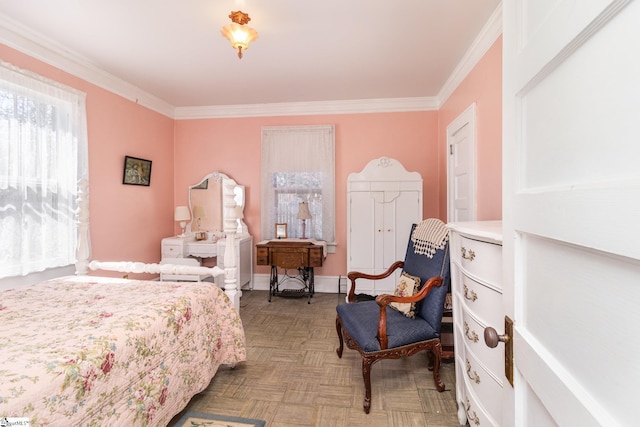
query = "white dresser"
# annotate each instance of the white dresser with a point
(476, 282)
(182, 247)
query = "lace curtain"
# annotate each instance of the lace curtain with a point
(43, 154)
(298, 164)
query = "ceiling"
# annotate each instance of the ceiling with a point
(320, 51)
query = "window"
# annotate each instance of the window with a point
(43, 155)
(298, 165)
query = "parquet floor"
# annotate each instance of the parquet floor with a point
(293, 376)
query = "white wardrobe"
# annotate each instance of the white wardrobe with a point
(383, 200)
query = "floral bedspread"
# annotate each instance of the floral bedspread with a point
(92, 351)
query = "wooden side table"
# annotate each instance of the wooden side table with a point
(300, 255)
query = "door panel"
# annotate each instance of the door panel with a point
(361, 237)
(461, 167)
(405, 214)
(571, 202)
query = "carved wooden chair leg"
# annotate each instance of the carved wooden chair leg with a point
(437, 358)
(339, 330)
(366, 374)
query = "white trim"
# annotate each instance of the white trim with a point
(466, 118)
(309, 108)
(26, 40)
(322, 284)
(487, 37)
(22, 38)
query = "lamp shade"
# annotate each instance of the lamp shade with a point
(182, 213)
(303, 211)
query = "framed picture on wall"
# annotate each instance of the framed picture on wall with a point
(281, 231)
(136, 171)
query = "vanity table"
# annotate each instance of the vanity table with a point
(188, 246)
(211, 217)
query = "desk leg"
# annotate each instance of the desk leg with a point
(273, 282)
(309, 280)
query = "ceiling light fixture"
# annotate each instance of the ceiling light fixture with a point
(239, 33)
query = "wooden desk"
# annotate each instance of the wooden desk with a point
(299, 255)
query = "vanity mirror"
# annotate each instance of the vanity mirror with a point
(206, 202)
(207, 227)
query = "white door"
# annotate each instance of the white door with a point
(572, 211)
(461, 167)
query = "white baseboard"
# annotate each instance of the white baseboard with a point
(323, 284)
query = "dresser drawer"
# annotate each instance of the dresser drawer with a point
(483, 384)
(485, 303)
(171, 251)
(262, 255)
(202, 250)
(472, 333)
(480, 259)
(476, 415)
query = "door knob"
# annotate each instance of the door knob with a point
(492, 338)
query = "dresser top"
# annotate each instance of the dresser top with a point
(485, 230)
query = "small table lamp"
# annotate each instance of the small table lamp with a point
(304, 215)
(198, 214)
(182, 215)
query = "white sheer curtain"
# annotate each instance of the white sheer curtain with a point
(298, 164)
(43, 154)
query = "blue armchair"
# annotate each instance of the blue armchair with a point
(378, 330)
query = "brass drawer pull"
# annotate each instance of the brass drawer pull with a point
(471, 255)
(475, 418)
(475, 377)
(469, 296)
(473, 337)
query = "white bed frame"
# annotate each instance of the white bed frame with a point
(83, 253)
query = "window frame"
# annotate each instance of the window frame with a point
(285, 150)
(65, 107)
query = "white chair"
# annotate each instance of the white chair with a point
(184, 277)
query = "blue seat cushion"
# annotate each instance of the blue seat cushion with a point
(361, 322)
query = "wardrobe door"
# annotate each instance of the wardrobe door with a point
(363, 236)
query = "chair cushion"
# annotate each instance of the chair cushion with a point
(361, 321)
(406, 287)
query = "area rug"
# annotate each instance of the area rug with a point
(200, 419)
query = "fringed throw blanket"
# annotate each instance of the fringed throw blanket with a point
(429, 236)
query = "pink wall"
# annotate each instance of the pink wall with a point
(484, 87)
(127, 222)
(232, 146)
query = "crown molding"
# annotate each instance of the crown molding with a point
(309, 108)
(487, 37)
(26, 40)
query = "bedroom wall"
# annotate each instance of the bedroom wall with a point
(232, 146)
(484, 87)
(416, 139)
(127, 222)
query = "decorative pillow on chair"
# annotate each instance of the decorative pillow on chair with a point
(407, 286)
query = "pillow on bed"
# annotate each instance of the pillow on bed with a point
(406, 287)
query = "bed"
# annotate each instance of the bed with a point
(87, 350)
(102, 351)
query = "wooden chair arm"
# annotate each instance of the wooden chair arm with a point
(353, 275)
(385, 299)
